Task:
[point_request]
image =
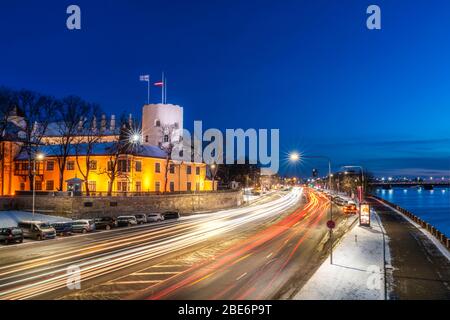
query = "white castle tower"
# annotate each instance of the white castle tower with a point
(161, 120)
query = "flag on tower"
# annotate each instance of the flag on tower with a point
(146, 78)
(159, 84)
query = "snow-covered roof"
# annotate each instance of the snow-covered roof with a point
(98, 149)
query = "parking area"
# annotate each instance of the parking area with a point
(21, 227)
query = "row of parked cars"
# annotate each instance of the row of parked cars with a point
(348, 206)
(39, 230)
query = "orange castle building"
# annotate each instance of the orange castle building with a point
(137, 172)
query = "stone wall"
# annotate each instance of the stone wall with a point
(97, 206)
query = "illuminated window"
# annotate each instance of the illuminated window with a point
(122, 186)
(157, 186)
(38, 185)
(49, 185)
(138, 165)
(124, 165)
(138, 186)
(157, 167)
(92, 185)
(70, 165)
(110, 165)
(50, 166)
(93, 165)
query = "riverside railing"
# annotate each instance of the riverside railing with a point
(440, 236)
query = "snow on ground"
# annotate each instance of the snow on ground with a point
(357, 272)
(11, 218)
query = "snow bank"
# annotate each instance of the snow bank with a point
(11, 218)
(357, 272)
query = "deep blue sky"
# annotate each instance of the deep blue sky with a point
(309, 68)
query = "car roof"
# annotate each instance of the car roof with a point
(29, 221)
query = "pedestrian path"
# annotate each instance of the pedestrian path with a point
(357, 272)
(420, 269)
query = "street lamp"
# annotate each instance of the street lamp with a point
(135, 138)
(213, 168)
(38, 157)
(294, 157)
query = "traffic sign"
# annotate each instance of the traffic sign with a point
(331, 224)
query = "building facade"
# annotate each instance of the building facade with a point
(145, 168)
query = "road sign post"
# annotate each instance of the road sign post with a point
(331, 225)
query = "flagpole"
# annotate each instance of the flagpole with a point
(162, 88)
(165, 90)
(148, 90)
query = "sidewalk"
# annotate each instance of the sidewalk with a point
(357, 272)
(421, 264)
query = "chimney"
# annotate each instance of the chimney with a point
(112, 127)
(80, 124)
(94, 123)
(103, 123)
(130, 120)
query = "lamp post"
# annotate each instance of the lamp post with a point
(38, 157)
(294, 157)
(213, 168)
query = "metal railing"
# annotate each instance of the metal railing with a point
(440, 236)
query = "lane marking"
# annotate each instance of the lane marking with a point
(241, 276)
(153, 273)
(135, 282)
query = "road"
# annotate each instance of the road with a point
(256, 251)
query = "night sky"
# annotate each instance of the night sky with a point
(379, 98)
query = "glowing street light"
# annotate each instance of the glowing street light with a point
(38, 157)
(135, 138)
(294, 157)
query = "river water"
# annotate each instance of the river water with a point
(433, 206)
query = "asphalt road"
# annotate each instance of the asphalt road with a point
(264, 250)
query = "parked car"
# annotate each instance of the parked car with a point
(171, 215)
(155, 217)
(83, 225)
(62, 228)
(350, 209)
(106, 223)
(141, 218)
(10, 235)
(339, 201)
(126, 221)
(37, 230)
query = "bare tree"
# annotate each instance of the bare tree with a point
(84, 144)
(6, 108)
(69, 113)
(115, 151)
(37, 111)
(167, 144)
